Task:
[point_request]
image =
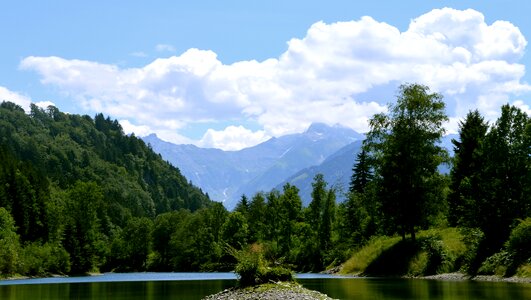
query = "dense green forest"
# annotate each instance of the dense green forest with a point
(77, 195)
(73, 188)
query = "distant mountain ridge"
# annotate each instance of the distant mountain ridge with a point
(337, 170)
(226, 175)
(295, 158)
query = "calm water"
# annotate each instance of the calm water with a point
(162, 286)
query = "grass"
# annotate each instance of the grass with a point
(361, 259)
(524, 270)
(436, 251)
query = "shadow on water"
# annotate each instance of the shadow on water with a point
(401, 289)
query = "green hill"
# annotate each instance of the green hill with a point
(67, 179)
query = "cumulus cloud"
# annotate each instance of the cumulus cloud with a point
(232, 138)
(44, 104)
(7, 95)
(342, 72)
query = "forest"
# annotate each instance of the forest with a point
(77, 195)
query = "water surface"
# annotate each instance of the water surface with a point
(188, 286)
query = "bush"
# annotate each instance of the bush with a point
(252, 268)
(40, 260)
(519, 243)
(496, 264)
(473, 239)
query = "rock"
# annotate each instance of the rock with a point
(271, 291)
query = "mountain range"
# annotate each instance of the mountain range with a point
(227, 175)
(294, 159)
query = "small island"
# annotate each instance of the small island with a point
(269, 291)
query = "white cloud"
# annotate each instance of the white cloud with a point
(342, 72)
(7, 95)
(524, 107)
(165, 48)
(44, 104)
(232, 138)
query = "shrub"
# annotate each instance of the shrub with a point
(519, 243)
(252, 268)
(40, 260)
(496, 264)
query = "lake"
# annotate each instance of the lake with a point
(162, 286)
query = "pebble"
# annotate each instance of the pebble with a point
(277, 291)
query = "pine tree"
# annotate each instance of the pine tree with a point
(361, 173)
(466, 171)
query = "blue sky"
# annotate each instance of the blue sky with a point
(230, 74)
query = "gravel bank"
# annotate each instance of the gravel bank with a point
(461, 276)
(271, 291)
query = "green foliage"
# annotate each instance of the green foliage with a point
(253, 269)
(496, 264)
(361, 259)
(514, 256)
(76, 187)
(466, 171)
(235, 230)
(519, 243)
(77, 195)
(42, 260)
(434, 252)
(9, 244)
(361, 173)
(402, 146)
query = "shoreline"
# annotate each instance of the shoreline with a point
(481, 278)
(456, 276)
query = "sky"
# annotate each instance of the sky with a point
(231, 74)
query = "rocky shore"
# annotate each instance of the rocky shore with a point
(270, 291)
(461, 276)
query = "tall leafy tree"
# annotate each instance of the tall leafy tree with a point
(235, 230)
(403, 144)
(9, 244)
(290, 210)
(82, 228)
(257, 218)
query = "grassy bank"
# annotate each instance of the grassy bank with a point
(436, 251)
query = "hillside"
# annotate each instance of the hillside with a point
(336, 170)
(75, 182)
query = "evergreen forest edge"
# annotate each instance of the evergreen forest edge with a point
(77, 195)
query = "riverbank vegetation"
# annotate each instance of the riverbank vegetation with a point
(77, 195)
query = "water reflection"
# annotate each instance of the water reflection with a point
(339, 288)
(401, 289)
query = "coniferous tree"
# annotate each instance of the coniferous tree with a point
(327, 220)
(506, 177)
(361, 173)
(315, 208)
(466, 171)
